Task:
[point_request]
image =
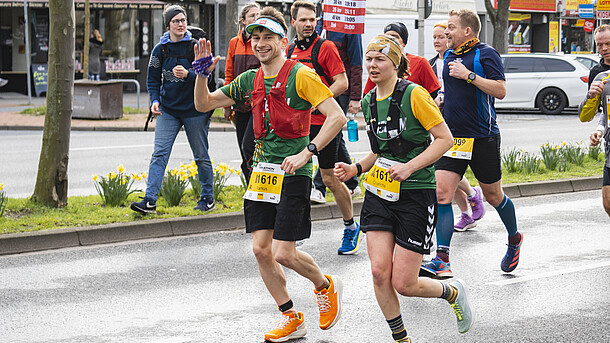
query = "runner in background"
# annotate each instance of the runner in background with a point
(466, 197)
(239, 59)
(323, 56)
(473, 78)
(419, 69)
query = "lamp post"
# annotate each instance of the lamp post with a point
(28, 55)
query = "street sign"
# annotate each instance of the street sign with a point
(585, 10)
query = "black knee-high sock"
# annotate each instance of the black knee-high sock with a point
(450, 293)
(398, 329)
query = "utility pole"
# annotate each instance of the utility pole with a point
(86, 41)
(421, 16)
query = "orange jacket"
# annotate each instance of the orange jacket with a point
(239, 59)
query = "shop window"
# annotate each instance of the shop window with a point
(519, 32)
(120, 31)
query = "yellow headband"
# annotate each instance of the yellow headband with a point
(386, 45)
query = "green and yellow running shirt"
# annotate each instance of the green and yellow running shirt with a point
(422, 114)
(304, 90)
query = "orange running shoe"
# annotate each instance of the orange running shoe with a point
(291, 326)
(329, 302)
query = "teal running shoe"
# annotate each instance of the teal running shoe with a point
(461, 306)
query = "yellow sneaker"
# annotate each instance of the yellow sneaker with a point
(291, 326)
(329, 302)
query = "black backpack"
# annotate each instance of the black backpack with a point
(314, 58)
(196, 34)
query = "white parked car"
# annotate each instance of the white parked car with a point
(589, 60)
(548, 82)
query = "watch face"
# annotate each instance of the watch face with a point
(472, 76)
(312, 147)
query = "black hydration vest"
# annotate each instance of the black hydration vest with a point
(398, 144)
(315, 50)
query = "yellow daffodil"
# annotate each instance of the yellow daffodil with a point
(120, 168)
(1, 186)
(95, 178)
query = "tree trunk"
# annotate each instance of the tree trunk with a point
(499, 20)
(52, 181)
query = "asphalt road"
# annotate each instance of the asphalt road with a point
(206, 288)
(98, 153)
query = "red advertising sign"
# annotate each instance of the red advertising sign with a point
(531, 5)
(589, 24)
(602, 14)
(345, 16)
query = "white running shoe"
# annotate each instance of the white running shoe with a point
(317, 197)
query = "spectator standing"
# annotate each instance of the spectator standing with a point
(95, 51)
(598, 95)
(282, 93)
(239, 59)
(170, 84)
(466, 197)
(323, 56)
(473, 77)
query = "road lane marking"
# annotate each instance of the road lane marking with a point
(549, 274)
(119, 147)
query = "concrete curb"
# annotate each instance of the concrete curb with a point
(103, 128)
(17, 243)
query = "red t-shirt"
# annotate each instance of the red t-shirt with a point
(421, 73)
(328, 58)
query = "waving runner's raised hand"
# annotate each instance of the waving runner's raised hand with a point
(204, 63)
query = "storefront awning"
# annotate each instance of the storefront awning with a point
(94, 4)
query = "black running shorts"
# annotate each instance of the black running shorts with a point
(606, 178)
(290, 220)
(329, 155)
(411, 219)
(485, 162)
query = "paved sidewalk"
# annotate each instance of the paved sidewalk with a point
(10, 119)
(13, 103)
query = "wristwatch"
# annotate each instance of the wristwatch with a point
(471, 77)
(313, 148)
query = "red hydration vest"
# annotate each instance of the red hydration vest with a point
(284, 121)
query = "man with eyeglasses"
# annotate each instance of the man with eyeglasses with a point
(171, 82)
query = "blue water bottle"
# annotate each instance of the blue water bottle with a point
(352, 129)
